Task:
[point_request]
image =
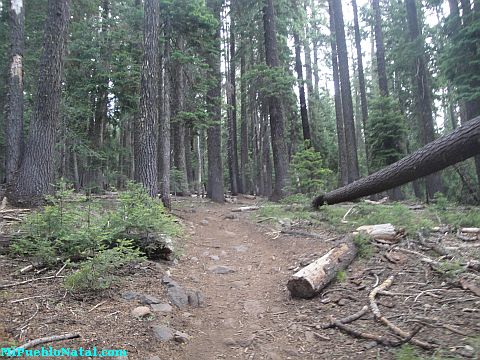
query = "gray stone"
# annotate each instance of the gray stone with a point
(246, 342)
(169, 282)
(163, 308)
(130, 295)
(177, 296)
(240, 248)
(141, 312)
(221, 269)
(181, 337)
(204, 222)
(153, 358)
(254, 307)
(195, 298)
(162, 332)
(229, 342)
(194, 258)
(148, 299)
(214, 257)
(342, 302)
(370, 345)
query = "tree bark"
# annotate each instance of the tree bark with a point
(232, 118)
(245, 180)
(423, 96)
(14, 120)
(361, 77)
(345, 88)
(301, 88)
(37, 172)
(462, 143)
(277, 120)
(380, 53)
(164, 128)
(342, 147)
(214, 142)
(146, 126)
(309, 281)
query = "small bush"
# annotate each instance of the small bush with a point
(341, 276)
(365, 249)
(98, 272)
(102, 237)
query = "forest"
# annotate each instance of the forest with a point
(254, 179)
(244, 97)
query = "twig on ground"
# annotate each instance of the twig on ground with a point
(378, 315)
(346, 214)
(27, 298)
(348, 319)
(45, 340)
(97, 306)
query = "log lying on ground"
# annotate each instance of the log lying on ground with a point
(459, 145)
(309, 281)
(383, 232)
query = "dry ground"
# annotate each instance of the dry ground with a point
(248, 314)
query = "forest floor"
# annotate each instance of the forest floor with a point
(239, 264)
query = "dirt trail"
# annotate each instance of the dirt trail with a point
(248, 313)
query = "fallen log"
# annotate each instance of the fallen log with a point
(386, 232)
(459, 145)
(309, 281)
(5, 241)
(245, 208)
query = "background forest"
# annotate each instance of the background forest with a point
(247, 96)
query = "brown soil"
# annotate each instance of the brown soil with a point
(248, 314)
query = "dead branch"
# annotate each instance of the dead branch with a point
(245, 208)
(57, 275)
(45, 340)
(302, 233)
(348, 319)
(344, 221)
(378, 315)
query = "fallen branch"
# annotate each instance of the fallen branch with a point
(57, 275)
(245, 208)
(396, 330)
(347, 320)
(344, 221)
(302, 233)
(45, 340)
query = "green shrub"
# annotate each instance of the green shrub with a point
(102, 236)
(307, 172)
(365, 249)
(98, 272)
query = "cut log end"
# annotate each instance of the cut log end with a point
(309, 281)
(301, 288)
(318, 201)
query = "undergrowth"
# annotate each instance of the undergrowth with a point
(96, 237)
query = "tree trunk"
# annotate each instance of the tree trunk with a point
(361, 77)
(146, 126)
(37, 171)
(423, 97)
(164, 128)
(380, 53)
(345, 88)
(342, 147)
(277, 120)
(445, 151)
(178, 126)
(14, 121)
(301, 87)
(232, 118)
(245, 180)
(214, 142)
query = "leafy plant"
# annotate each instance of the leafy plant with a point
(365, 249)
(307, 173)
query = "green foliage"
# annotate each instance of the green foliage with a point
(365, 249)
(72, 229)
(307, 173)
(341, 276)
(385, 132)
(98, 272)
